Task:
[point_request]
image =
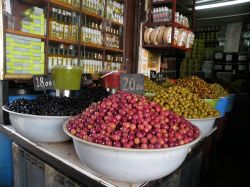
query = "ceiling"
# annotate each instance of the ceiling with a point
(220, 15)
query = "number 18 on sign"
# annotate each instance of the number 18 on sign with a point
(133, 83)
(42, 82)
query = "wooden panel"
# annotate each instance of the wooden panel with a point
(24, 34)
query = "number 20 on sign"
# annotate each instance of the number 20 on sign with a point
(133, 83)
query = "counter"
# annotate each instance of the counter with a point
(62, 157)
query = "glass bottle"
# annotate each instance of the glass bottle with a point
(66, 27)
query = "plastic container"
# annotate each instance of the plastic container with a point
(130, 165)
(212, 102)
(67, 77)
(231, 98)
(111, 80)
(221, 105)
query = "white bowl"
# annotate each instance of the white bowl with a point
(130, 165)
(39, 128)
(205, 125)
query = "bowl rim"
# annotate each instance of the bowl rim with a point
(131, 149)
(32, 115)
(202, 119)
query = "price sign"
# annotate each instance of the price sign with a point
(87, 79)
(133, 83)
(161, 77)
(152, 75)
(43, 82)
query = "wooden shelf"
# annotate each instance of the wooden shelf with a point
(39, 3)
(24, 34)
(166, 23)
(161, 2)
(58, 40)
(182, 27)
(65, 6)
(165, 46)
(113, 49)
(92, 45)
(18, 76)
(114, 22)
(91, 14)
(155, 24)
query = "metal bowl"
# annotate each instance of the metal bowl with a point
(130, 165)
(39, 128)
(205, 125)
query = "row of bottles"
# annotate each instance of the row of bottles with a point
(112, 41)
(92, 33)
(91, 62)
(74, 3)
(61, 55)
(95, 6)
(63, 24)
(115, 11)
(113, 62)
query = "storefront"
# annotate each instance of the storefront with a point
(118, 92)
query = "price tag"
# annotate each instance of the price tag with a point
(43, 82)
(87, 79)
(161, 77)
(133, 83)
(152, 75)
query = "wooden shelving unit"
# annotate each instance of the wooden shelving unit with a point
(59, 4)
(24, 34)
(58, 40)
(18, 76)
(173, 4)
(47, 5)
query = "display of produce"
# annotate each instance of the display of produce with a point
(46, 105)
(130, 121)
(198, 86)
(163, 35)
(168, 83)
(150, 86)
(94, 94)
(219, 90)
(183, 102)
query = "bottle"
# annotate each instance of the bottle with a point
(52, 31)
(54, 57)
(69, 16)
(61, 23)
(74, 27)
(60, 55)
(66, 27)
(50, 59)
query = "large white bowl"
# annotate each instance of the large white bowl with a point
(205, 125)
(130, 165)
(39, 128)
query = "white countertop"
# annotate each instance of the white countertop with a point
(65, 152)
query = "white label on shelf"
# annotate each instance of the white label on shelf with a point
(233, 37)
(218, 67)
(228, 67)
(218, 56)
(242, 67)
(229, 57)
